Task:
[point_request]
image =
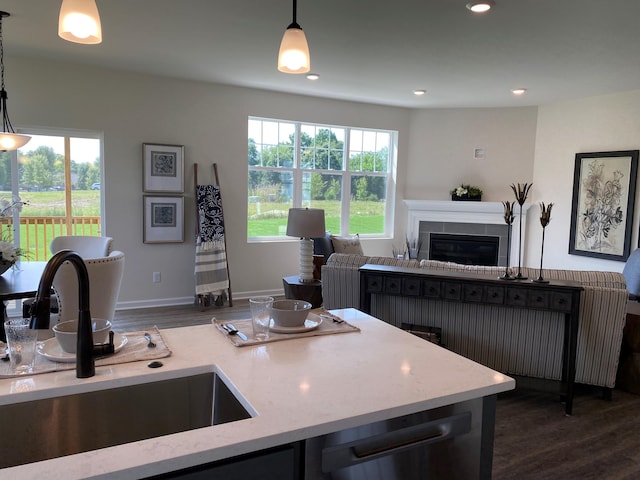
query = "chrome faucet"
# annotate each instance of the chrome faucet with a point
(40, 310)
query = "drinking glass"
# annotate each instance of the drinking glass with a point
(260, 316)
(21, 340)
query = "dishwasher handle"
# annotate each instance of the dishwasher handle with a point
(395, 441)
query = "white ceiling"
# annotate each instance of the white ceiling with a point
(375, 51)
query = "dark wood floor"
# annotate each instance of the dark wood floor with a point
(178, 316)
(534, 439)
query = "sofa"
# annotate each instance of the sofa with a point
(510, 340)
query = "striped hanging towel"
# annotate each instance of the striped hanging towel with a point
(211, 256)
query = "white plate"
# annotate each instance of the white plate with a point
(51, 349)
(312, 322)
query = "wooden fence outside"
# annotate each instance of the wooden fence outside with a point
(36, 233)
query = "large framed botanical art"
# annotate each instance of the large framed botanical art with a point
(163, 219)
(163, 168)
(604, 190)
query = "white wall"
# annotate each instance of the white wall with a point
(605, 123)
(524, 145)
(211, 122)
(435, 152)
(441, 152)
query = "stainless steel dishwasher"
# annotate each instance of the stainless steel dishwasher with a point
(449, 443)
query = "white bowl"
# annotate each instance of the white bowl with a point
(289, 313)
(66, 333)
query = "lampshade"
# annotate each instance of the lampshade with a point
(294, 50)
(306, 223)
(79, 22)
(12, 141)
(9, 139)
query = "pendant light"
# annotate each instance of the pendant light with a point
(9, 140)
(294, 50)
(79, 22)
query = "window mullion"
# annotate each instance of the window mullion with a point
(391, 182)
(67, 183)
(15, 193)
(297, 172)
(346, 185)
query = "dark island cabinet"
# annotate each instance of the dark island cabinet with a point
(279, 463)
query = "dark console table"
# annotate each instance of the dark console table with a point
(556, 296)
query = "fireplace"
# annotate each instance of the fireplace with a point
(464, 249)
(465, 243)
(463, 219)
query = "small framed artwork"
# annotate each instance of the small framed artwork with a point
(604, 190)
(163, 168)
(163, 219)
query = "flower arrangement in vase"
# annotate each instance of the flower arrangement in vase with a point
(466, 193)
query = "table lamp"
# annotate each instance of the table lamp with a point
(306, 223)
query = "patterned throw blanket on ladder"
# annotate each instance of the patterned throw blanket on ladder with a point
(211, 256)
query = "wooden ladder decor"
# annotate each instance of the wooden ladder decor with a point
(207, 299)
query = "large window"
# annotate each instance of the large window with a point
(348, 172)
(58, 175)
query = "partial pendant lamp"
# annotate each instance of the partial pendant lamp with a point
(294, 50)
(79, 22)
(9, 139)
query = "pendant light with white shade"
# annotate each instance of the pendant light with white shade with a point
(9, 139)
(294, 50)
(79, 22)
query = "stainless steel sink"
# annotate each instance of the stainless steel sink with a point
(58, 426)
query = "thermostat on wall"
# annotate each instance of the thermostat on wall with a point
(478, 153)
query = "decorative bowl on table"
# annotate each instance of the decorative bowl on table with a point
(67, 333)
(289, 313)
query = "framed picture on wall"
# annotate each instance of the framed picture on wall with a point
(604, 189)
(163, 219)
(163, 168)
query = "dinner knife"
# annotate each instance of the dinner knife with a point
(234, 331)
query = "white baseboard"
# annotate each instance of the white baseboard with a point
(170, 302)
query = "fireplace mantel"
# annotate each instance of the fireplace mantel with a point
(464, 212)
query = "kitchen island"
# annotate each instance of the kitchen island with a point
(294, 390)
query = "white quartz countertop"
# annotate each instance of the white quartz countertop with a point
(295, 389)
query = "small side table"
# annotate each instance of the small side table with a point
(308, 291)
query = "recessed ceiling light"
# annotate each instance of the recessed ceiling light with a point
(519, 91)
(313, 76)
(481, 7)
(419, 93)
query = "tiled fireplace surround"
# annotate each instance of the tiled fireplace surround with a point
(464, 218)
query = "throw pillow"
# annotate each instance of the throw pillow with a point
(347, 244)
(323, 246)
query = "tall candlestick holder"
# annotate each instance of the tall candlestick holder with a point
(508, 218)
(521, 192)
(545, 218)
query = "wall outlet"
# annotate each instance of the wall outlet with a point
(156, 277)
(479, 153)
